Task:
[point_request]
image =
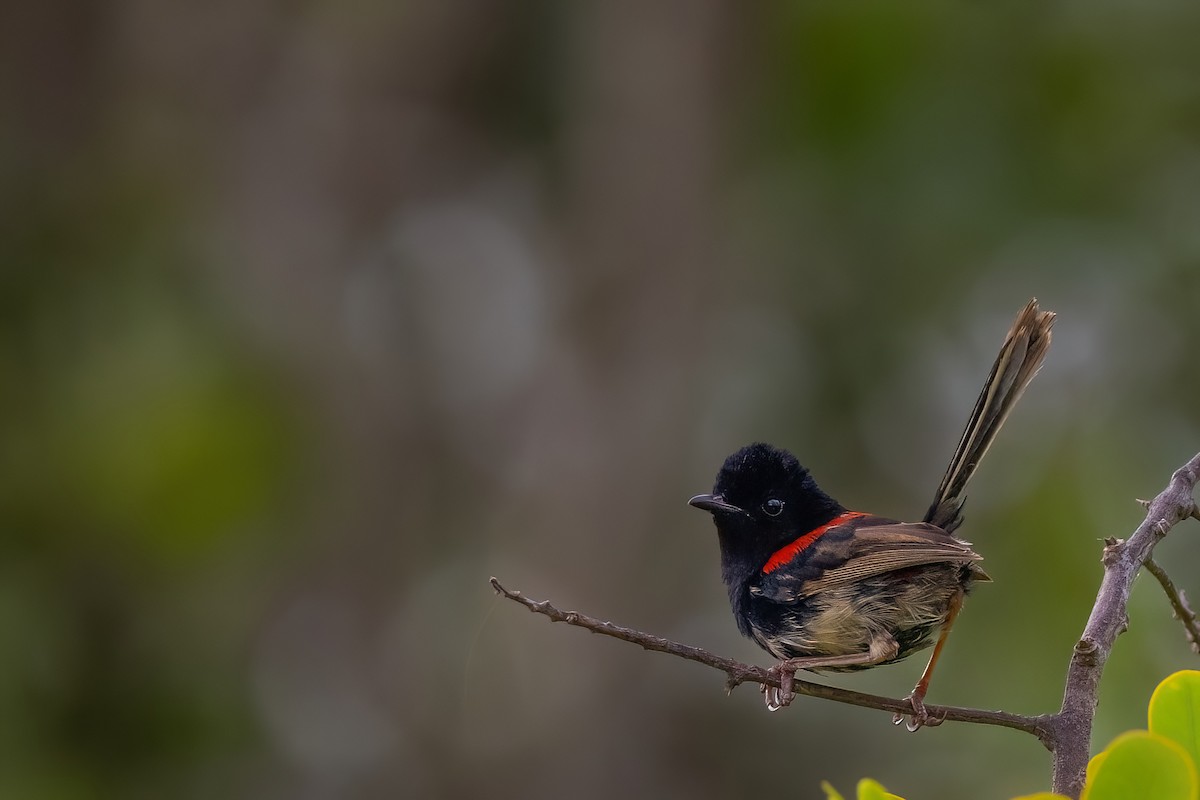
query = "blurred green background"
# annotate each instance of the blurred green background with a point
(314, 316)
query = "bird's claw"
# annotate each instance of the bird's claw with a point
(781, 696)
(919, 718)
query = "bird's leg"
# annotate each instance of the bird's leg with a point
(920, 717)
(883, 648)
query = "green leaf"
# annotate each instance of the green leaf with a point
(1175, 711)
(871, 790)
(830, 792)
(1142, 764)
(1042, 796)
(1094, 764)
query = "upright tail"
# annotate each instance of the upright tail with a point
(1020, 358)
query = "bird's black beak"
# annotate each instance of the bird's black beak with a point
(714, 503)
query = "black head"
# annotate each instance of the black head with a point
(763, 499)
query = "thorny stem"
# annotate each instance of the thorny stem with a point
(1122, 559)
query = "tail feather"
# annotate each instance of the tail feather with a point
(1019, 360)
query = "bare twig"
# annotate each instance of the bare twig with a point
(737, 673)
(1072, 725)
(1179, 603)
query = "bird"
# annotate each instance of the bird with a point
(824, 588)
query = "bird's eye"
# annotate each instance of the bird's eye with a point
(773, 507)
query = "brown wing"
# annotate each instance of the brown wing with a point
(885, 548)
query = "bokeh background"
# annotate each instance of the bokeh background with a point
(313, 316)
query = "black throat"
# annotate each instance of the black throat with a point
(749, 540)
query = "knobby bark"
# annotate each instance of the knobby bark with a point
(1122, 559)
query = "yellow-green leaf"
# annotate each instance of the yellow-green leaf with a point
(830, 792)
(1094, 764)
(871, 790)
(1175, 711)
(1142, 764)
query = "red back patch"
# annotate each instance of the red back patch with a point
(789, 551)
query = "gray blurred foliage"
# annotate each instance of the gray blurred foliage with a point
(313, 316)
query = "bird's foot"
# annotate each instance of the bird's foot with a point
(781, 696)
(920, 717)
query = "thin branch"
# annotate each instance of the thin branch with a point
(1179, 603)
(1066, 733)
(1073, 724)
(737, 673)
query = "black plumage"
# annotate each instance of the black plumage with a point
(824, 588)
